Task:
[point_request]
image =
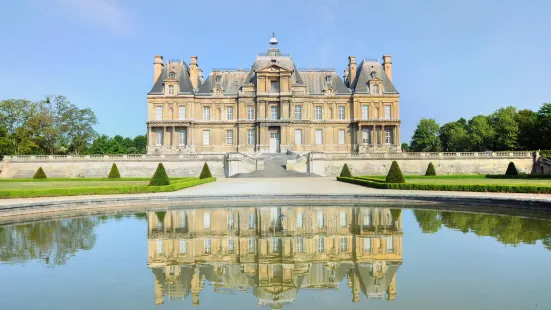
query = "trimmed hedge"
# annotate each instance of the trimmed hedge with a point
(114, 173)
(345, 172)
(160, 178)
(511, 169)
(520, 176)
(430, 170)
(395, 174)
(40, 174)
(84, 179)
(373, 183)
(205, 173)
(137, 189)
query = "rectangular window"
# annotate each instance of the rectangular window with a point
(367, 218)
(206, 220)
(320, 219)
(343, 219)
(159, 137)
(298, 136)
(300, 245)
(367, 245)
(299, 220)
(341, 136)
(366, 135)
(250, 136)
(206, 137)
(343, 245)
(298, 112)
(171, 89)
(375, 89)
(182, 138)
(182, 112)
(159, 113)
(389, 244)
(230, 221)
(252, 245)
(387, 112)
(388, 136)
(229, 137)
(274, 86)
(319, 136)
(206, 113)
(159, 246)
(318, 113)
(231, 245)
(250, 112)
(276, 242)
(274, 112)
(182, 219)
(321, 244)
(183, 247)
(207, 246)
(341, 112)
(251, 223)
(365, 112)
(229, 113)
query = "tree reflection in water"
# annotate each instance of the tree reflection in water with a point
(511, 230)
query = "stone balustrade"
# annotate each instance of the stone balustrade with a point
(419, 155)
(115, 157)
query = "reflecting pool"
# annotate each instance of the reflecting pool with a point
(312, 257)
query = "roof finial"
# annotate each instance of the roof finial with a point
(273, 40)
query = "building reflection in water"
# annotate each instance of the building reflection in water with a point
(275, 251)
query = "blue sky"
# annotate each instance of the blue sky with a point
(450, 59)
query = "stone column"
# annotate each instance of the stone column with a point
(373, 136)
(383, 140)
(164, 136)
(360, 142)
(174, 140)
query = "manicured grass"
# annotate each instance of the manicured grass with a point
(80, 179)
(65, 184)
(112, 188)
(455, 184)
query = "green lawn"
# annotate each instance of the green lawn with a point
(65, 184)
(471, 180)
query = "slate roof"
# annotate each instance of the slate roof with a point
(230, 82)
(181, 70)
(364, 75)
(315, 81)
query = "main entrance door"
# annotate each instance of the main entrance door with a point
(274, 140)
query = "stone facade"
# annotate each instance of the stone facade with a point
(274, 252)
(273, 107)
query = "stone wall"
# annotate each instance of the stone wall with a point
(416, 163)
(99, 166)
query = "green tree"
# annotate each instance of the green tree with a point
(205, 172)
(544, 126)
(430, 170)
(428, 220)
(114, 173)
(14, 117)
(160, 178)
(405, 147)
(480, 133)
(140, 143)
(345, 172)
(511, 169)
(425, 138)
(40, 174)
(506, 129)
(527, 121)
(395, 174)
(453, 136)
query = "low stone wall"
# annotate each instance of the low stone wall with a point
(416, 163)
(99, 166)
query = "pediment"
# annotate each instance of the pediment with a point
(273, 68)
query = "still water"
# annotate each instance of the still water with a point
(278, 257)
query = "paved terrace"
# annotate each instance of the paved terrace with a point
(324, 190)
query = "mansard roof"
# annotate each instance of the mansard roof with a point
(230, 81)
(316, 81)
(181, 70)
(364, 75)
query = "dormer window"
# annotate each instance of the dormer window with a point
(375, 89)
(218, 79)
(373, 75)
(328, 79)
(172, 75)
(171, 89)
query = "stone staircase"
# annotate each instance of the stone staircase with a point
(275, 167)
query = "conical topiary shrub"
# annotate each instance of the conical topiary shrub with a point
(511, 169)
(205, 173)
(160, 177)
(395, 174)
(430, 170)
(345, 172)
(40, 174)
(114, 173)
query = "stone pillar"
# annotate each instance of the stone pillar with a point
(172, 138)
(151, 135)
(398, 140)
(383, 140)
(164, 137)
(360, 142)
(373, 136)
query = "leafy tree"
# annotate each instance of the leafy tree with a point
(453, 136)
(114, 173)
(345, 172)
(425, 137)
(430, 170)
(160, 178)
(140, 143)
(527, 121)
(205, 172)
(40, 174)
(395, 174)
(511, 169)
(544, 126)
(505, 128)
(14, 117)
(405, 147)
(480, 134)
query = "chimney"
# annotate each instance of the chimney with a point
(351, 70)
(157, 67)
(194, 72)
(387, 65)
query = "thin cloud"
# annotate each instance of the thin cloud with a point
(104, 13)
